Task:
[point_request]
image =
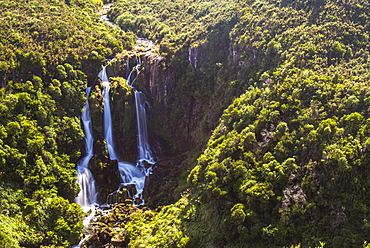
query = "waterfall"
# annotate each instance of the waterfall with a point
(87, 195)
(130, 174)
(137, 68)
(145, 156)
(107, 115)
(145, 153)
(136, 175)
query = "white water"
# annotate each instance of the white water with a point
(137, 69)
(130, 174)
(107, 115)
(87, 195)
(82, 241)
(145, 153)
(145, 156)
(103, 14)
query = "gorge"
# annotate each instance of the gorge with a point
(256, 134)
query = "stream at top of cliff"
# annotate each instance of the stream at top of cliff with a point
(103, 14)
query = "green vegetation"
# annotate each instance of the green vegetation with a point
(179, 26)
(126, 225)
(49, 52)
(286, 165)
(273, 95)
(288, 172)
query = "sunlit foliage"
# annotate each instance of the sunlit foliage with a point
(49, 51)
(286, 165)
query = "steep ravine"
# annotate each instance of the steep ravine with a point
(180, 120)
(102, 166)
(286, 165)
(184, 110)
(171, 139)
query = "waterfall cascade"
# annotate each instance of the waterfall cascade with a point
(145, 153)
(107, 115)
(130, 174)
(87, 195)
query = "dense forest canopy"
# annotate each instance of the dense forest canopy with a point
(273, 95)
(287, 163)
(49, 51)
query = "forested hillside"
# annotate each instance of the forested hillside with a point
(49, 52)
(261, 110)
(287, 163)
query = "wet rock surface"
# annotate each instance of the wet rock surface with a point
(109, 227)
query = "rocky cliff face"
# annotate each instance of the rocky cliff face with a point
(187, 95)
